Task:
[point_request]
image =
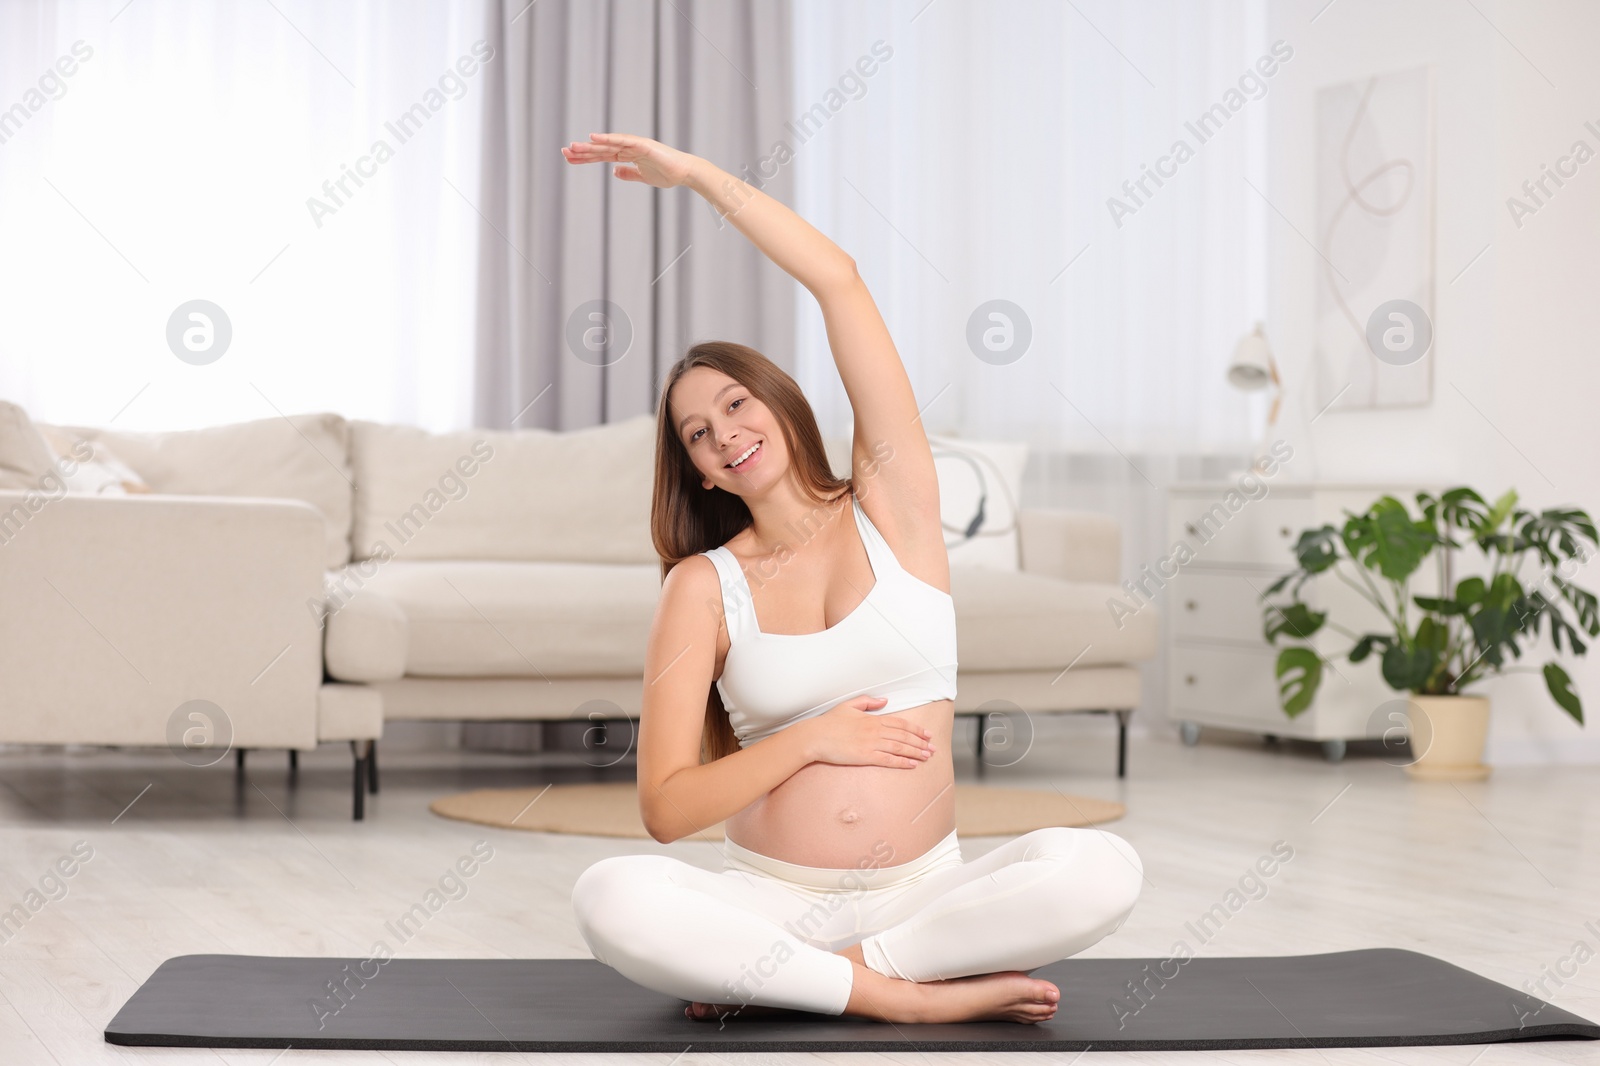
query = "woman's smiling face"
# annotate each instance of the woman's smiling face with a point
(719, 421)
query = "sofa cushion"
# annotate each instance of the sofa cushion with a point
(479, 618)
(302, 457)
(531, 495)
(24, 455)
(550, 620)
(101, 474)
(364, 631)
(1023, 621)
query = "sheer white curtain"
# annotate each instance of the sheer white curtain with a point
(176, 163)
(976, 163)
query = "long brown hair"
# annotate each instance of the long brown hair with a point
(686, 519)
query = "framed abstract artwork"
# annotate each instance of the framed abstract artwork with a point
(1374, 198)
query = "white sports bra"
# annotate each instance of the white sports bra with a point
(899, 642)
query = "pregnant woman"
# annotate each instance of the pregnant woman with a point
(819, 608)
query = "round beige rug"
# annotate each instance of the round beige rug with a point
(611, 809)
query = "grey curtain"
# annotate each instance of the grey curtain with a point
(589, 286)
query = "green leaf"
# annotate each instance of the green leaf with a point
(1559, 625)
(1365, 645)
(1505, 591)
(1469, 591)
(1429, 507)
(1561, 690)
(1295, 619)
(1583, 602)
(1358, 535)
(1277, 585)
(1465, 508)
(1555, 533)
(1502, 508)
(1502, 615)
(1400, 543)
(1305, 670)
(1493, 625)
(1438, 606)
(1504, 543)
(1433, 636)
(1315, 549)
(1405, 669)
(1525, 614)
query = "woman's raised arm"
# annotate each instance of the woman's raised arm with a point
(870, 369)
(787, 239)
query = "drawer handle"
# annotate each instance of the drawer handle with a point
(1189, 680)
(1189, 605)
(1193, 532)
(1284, 532)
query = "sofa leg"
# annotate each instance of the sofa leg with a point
(358, 810)
(372, 767)
(1122, 743)
(238, 763)
(978, 742)
(294, 764)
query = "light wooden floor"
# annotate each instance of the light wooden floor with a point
(1497, 877)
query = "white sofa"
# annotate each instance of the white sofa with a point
(315, 576)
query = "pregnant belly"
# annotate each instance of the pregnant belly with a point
(842, 816)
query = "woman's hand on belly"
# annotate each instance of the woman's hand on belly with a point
(848, 735)
(822, 814)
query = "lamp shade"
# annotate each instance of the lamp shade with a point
(1251, 368)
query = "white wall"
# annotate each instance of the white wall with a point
(1515, 374)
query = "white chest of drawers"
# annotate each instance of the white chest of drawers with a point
(1220, 668)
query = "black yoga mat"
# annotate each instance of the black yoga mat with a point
(1372, 998)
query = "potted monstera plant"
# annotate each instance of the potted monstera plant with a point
(1435, 647)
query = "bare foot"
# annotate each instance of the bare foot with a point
(710, 1012)
(1007, 996)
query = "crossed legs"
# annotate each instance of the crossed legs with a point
(732, 937)
(1039, 897)
(698, 935)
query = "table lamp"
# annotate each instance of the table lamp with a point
(1252, 369)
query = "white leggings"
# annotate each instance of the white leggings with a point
(763, 931)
